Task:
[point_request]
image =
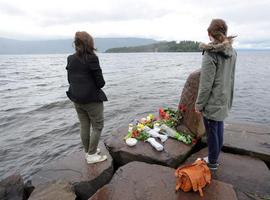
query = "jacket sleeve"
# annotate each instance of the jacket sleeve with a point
(67, 69)
(97, 73)
(207, 77)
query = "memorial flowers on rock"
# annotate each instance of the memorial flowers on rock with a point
(162, 127)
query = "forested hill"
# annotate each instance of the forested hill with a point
(173, 46)
(11, 46)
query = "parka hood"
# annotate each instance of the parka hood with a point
(224, 49)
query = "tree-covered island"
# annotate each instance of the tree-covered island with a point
(173, 46)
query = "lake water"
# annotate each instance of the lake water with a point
(38, 123)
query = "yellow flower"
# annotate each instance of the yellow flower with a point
(140, 127)
(150, 117)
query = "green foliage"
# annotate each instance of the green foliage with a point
(175, 117)
(173, 46)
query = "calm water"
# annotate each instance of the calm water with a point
(38, 123)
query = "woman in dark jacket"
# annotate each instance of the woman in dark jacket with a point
(216, 86)
(85, 82)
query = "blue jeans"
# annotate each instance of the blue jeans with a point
(214, 133)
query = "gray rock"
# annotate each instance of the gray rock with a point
(174, 152)
(249, 176)
(138, 180)
(53, 191)
(85, 179)
(191, 122)
(248, 139)
(12, 188)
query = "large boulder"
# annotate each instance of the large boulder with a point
(138, 180)
(249, 176)
(85, 178)
(248, 139)
(12, 188)
(191, 122)
(53, 191)
(251, 139)
(174, 152)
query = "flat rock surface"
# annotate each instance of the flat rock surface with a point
(85, 178)
(249, 176)
(174, 152)
(252, 139)
(137, 181)
(12, 187)
(53, 191)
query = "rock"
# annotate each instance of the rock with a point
(12, 188)
(138, 180)
(250, 139)
(174, 152)
(249, 176)
(191, 122)
(247, 139)
(52, 191)
(85, 179)
(28, 189)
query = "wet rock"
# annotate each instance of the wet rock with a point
(85, 179)
(28, 189)
(138, 180)
(191, 122)
(12, 188)
(249, 176)
(247, 139)
(174, 152)
(53, 191)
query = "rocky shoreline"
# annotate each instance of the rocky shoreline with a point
(140, 172)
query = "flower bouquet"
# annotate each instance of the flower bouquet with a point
(146, 129)
(141, 131)
(170, 117)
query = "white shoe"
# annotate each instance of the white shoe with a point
(98, 151)
(206, 159)
(95, 158)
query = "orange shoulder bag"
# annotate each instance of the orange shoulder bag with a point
(194, 176)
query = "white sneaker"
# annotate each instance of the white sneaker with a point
(206, 159)
(95, 158)
(98, 151)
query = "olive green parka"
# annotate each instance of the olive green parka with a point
(215, 95)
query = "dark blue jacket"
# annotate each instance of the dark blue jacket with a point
(85, 80)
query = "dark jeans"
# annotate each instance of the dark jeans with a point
(214, 133)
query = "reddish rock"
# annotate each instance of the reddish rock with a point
(174, 152)
(53, 191)
(12, 187)
(138, 180)
(192, 122)
(249, 176)
(85, 179)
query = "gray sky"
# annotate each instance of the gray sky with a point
(157, 19)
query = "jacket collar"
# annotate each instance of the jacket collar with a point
(224, 48)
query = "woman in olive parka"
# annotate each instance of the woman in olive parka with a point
(216, 86)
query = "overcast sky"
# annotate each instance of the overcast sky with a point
(157, 19)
